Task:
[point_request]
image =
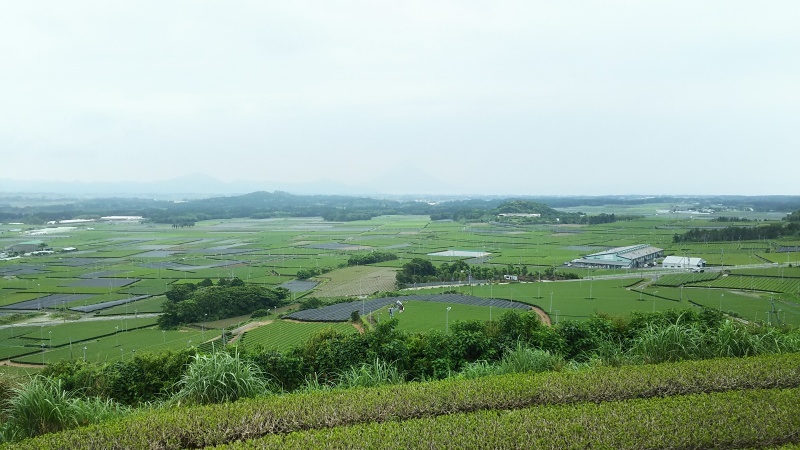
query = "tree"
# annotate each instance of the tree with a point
(417, 270)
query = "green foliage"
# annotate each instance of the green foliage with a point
(311, 303)
(477, 369)
(218, 378)
(673, 342)
(17, 317)
(143, 378)
(286, 371)
(304, 274)
(234, 298)
(370, 258)
(524, 359)
(731, 233)
(259, 313)
(528, 207)
(89, 378)
(148, 377)
(526, 328)
(375, 374)
(417, 270)
(43, 406)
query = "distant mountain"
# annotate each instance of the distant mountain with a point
(409, 179)
(183, 187)
(406, 179)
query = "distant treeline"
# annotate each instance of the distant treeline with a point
(260, 205)
(790, 226)
(370, 258)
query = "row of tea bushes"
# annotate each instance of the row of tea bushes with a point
(197, 427)
(735, 419)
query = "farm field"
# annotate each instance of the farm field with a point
(578, 300)
(356, 281)
(430, 316)
(283, 335)
(124, 269)
(119, 346)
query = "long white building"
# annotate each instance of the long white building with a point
(683, 262)
(621, 257)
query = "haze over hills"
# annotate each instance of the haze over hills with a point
(401, 180)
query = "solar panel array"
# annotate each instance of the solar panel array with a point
(340, 312)
(48, 301)
(106, 305)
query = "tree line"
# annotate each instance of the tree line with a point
(260, 205)
(790, 226)
(420, 270)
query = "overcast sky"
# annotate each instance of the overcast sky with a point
(495, 97)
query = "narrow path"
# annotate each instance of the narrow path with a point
(542, 315)
(239, 332)
(10, 363)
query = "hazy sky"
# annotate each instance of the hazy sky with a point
(496, 97)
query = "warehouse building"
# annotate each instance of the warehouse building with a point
(683, 262)
(630, 257)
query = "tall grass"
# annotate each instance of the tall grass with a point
(313, 383)
(680, 341)
(218, 378)
(371, 375)
(524, 359)
(669, 343)
(519, 360)
(478, 369)
(43, 406)
(610, 352)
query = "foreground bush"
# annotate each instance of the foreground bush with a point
(43, 406)
(519, 360)
(681, 341)
(144, 378)
(218, 378)
(371, 375)
(202, 426)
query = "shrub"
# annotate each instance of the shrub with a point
(259, 313)
(371, 375)
(219, 378)
(43, 406)
(524, 359)
(478, 369)
(670, 343)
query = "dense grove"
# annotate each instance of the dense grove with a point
(189, 303)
